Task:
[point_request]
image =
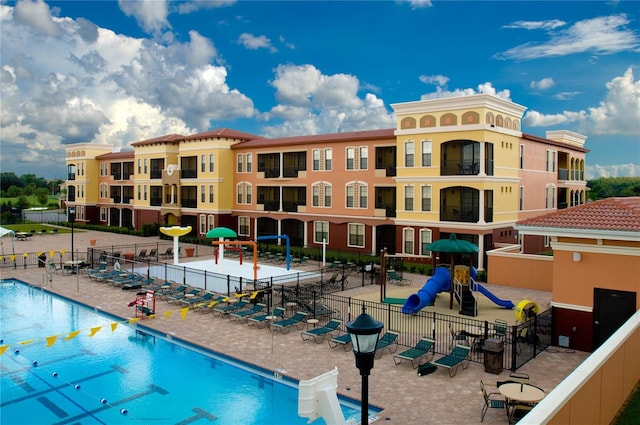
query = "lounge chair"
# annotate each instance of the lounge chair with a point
(193, 301)
(228, 309)
(344, 340)
(420, 351)
(153, 254)
(284, 326)
(318, 334)
(174, 299)
(138, 284)
(102, 277)
(171, 290)
(262, 320)
(142, 255)
(207, 307)
(388, 341)
(114, 281)
(102, 267)
(168, 253)
(131, 281)
(458, 356)
(243, 315)
(319, 310)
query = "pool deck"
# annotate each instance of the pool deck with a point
(405, 397)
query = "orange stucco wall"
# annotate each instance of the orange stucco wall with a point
(574, 281)
(521, 271)
(604, 392)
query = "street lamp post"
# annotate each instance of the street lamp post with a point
(364, 331)
(72, 218)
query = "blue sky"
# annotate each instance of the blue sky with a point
(120, 72)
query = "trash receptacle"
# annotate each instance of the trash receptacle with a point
(42, 260)
(493, 355)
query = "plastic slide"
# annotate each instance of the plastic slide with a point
(502, 303)
(437, 283)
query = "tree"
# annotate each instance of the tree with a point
(14, 191)
(42, 195)
(607, 187)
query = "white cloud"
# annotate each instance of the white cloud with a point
(602, 35)
(313, 103)
(185, 7)
(617, 114)
(485, 88)
(251, 42)
(151, 15)
(544, 84)
(36, 15)
(439, 80)
(536, 25)
(416, 4)
(620, 170)
(91, 85)
(566, 95)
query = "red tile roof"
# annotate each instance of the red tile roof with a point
(618, 214)
(318, 139)
(160, 139)
(116, 155)
(224, 133)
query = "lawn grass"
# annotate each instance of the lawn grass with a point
(630, 412)
(36, 228)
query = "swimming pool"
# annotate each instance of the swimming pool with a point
(121, 375)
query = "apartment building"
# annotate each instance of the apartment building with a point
(457, 165)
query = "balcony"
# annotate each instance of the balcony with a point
(71, 176)
(155, 202)
(460, 215)
(189, 174)
(271, 205)
(272, 173)
(563, 174)
(189, 203)
(155, 174)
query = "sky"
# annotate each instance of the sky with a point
(118, 72)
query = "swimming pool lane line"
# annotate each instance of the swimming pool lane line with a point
(34, 364)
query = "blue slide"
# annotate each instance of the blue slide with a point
(437, 283)
(502, 303)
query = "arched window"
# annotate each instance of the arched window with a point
(427, 121)
(408, 122)
(470, 117)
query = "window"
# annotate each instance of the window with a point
(104, 191)
(211, 198)
(408, 198)
(103, 214)
(145, 192)
(522, 157)
(327, 196)
(139, 193)
(212, 161)
(249, 162)
(211, 222)
(356, 235)
(248, 194)
(203, 224)
(425, 241)
(203, 163)
(315, 159)
(551, 161)
(145, 166)
(328, 155)
(409, 153)
(351, 158)
(240, 193)
(320, 231)
(426, 153)
(426, 198)
(239, 163)
(139, 167)
(521, 199)
(407, 241)
(550, 197)
(364, 156)
(315, 195)
(357, 192)
(203, 194)
(243, 226)
(243, 193)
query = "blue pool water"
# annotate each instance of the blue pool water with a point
(91, 379)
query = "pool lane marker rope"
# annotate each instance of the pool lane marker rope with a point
(52, 339)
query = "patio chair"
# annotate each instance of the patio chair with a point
(53, 267)
(207, 307)
(522, 378)
(492, 399)
(518, 411)
(420, 351)
(147, 283)
(318, 334)
(388, 341)
(394, 277)
(142, 255)
(168, 253)
(457, 337)
(114, 281)
(500, 328)
(153, 254)
(262, 320)
(170, 290)
(459, 356)
(228, 309)
(102, 277)
(102, 267)
(175, 299)
(243, 315)
(284, 326)
(131, 281)
(344, 340)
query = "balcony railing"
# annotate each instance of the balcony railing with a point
(272, 173)
(459, 215)
(290, 172)
(155, 202)
(71, 176)
(189, 203)
(563, 174)
(155, 174)
(189, 174)
(271, 205)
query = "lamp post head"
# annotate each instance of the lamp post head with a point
(364, 331)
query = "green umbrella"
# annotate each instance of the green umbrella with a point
(221, 232)
(453, 246)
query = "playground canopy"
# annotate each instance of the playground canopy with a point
(452, 245)
(7, 232)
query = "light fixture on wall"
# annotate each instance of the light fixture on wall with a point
(577, 257)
